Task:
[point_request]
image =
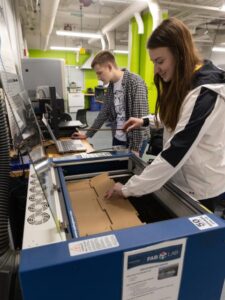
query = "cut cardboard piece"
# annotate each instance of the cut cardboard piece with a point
(84, 184)
(101, 183)
(84, 204)
(94, 213)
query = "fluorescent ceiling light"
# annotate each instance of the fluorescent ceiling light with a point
(65, 48)
(121, 51)
(223, 7)
(79, 34)
(218, 49)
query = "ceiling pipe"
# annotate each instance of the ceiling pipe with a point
(128, 13)
(194, 6)
(213, 27)
(103, 43)
(125, 16)
(133, 9)
(102, 39)
(111, 37)
(140, 23)
(156, 13)
(48, 14)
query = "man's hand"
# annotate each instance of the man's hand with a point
(132, 123)
(116, 190)
(78, 135)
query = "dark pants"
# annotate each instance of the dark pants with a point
(216, 205)
(117, 142)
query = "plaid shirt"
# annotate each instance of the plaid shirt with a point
(136, 105)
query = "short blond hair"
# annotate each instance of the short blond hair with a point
(103, 57)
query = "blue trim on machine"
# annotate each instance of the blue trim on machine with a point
(72, 220)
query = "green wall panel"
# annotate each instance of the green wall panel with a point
(140, 61)
(135, 47)
(146, 66)
(121, 60)
(90, 79)
(69, 56)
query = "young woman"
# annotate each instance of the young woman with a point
(191, 107)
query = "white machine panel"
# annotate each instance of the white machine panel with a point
(39, 228)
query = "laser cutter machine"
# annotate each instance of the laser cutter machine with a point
(176, 251)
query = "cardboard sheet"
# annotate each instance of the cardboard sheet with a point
(94, 213)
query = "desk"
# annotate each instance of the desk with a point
(18, 166)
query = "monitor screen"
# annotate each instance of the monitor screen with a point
(28, 133)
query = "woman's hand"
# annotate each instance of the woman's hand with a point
(136, 153)
(132, 123)
(78, 135)
(116, 190)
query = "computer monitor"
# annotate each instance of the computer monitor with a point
(53, 109)
(43, 72)
(26, 121)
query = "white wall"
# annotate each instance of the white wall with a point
(74, 75)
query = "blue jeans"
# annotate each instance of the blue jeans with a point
(117, 142)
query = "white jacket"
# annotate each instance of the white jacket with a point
(193, 156)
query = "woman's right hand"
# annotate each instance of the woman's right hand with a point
(78, 135)
(132, 123)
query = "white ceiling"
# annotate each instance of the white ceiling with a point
(204, 18)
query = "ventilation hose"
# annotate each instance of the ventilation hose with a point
(8, 257)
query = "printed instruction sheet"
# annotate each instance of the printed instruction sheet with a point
(154, 272)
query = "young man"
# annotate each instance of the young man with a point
(126, 97)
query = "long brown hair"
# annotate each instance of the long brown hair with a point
(173, 34)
